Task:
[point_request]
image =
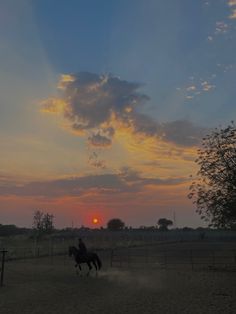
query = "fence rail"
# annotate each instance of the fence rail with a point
(141, 256)
(172, 259)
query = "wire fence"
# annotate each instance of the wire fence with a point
(138, 256)
(164, 255)
(194, 255)
(173, 259)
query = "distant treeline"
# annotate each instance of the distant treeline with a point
(9, 230)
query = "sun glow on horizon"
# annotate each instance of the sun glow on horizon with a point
(95, 220)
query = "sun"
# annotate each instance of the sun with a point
(95, 221)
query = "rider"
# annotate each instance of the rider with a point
(82, 247)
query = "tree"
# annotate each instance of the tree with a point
(38, 221)
(48, 224)
(115, 224)
(163, 224)
(214, 190)
(43, 223)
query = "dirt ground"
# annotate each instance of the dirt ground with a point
(39, 287)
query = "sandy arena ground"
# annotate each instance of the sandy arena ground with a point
(36, 287)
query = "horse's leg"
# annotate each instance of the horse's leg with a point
(90, 267)
(80, 268)
(77, 272)
(95, 265)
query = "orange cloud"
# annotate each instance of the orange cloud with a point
(54, 105)
(232, 4)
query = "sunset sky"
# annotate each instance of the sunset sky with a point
(103, 105)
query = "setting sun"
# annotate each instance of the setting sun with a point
(95, 220)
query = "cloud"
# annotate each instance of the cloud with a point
(96, 162)
(96, 106)
(143, 124)
(232, 4)
(198, 87)
(191, 88)
(183, 133)
(127, 181)
(90, 102)
(233, 15)
(221, 28)
(102, 138)
(207, 86)
(99, 140)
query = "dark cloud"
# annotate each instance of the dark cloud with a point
(102, 138)
(93, 98)
(96, 162)
(146, 125)
(180, 132)
(96, 105)
(127, 181)
(183, 132)
(99, 140)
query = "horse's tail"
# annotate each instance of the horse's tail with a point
(98, 261)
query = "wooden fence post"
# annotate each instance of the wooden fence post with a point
(2, 267)
(128, 257)
(111, 257)
(213, 257)
(146, 255)
(165, 260)
(191, 258)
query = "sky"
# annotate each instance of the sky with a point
(103, 105)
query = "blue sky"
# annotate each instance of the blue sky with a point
(160, 44)
(174, 61)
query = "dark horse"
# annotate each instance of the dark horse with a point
(88, 258)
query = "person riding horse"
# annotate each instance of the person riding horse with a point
(82, 247)
(87, 257)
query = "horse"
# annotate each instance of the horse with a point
(88, 258)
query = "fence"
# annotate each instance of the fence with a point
(192, 259)
(27, 253)
(162, 254)
(3, 254)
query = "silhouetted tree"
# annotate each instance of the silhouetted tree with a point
(164, 223)
(43, 223)
(48, 224)
(115, 224)
(214, 191)
(38, 221)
